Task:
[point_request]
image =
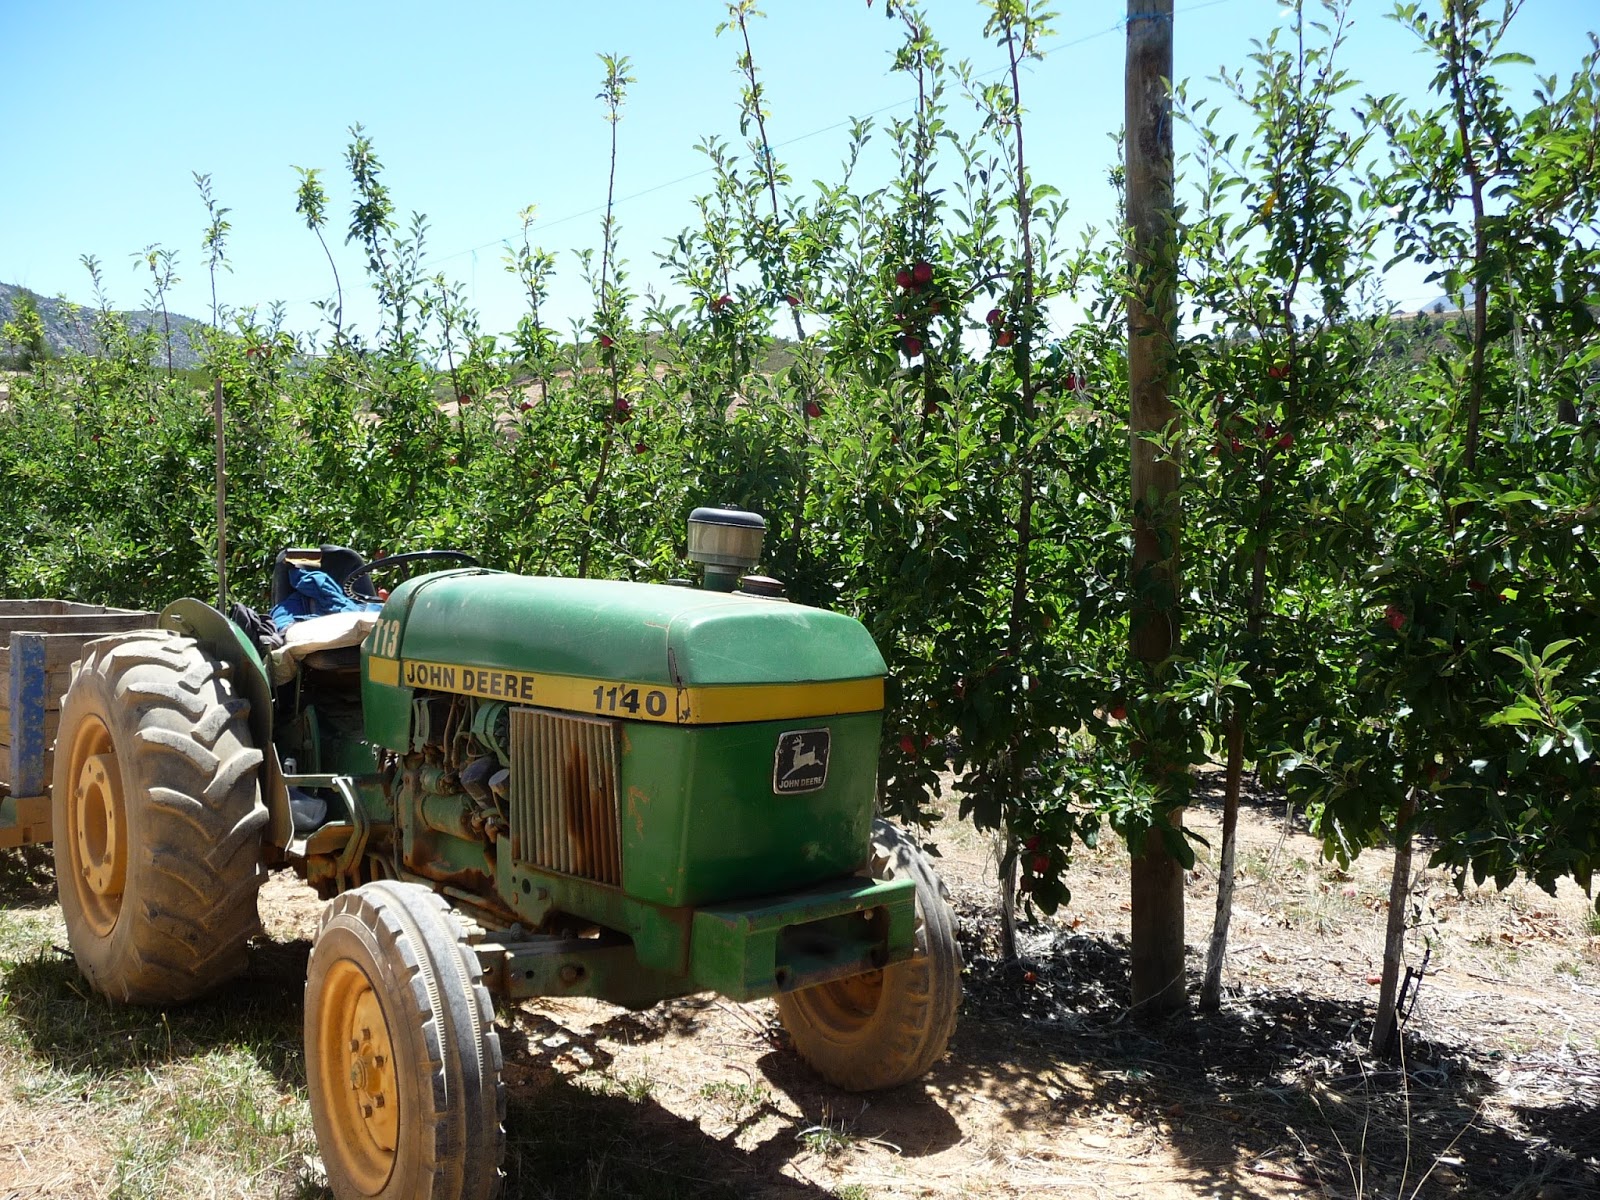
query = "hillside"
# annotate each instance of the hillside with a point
(67, 326)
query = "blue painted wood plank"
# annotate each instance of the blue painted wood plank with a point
(28, 699)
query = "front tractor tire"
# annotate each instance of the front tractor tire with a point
(158, 818)
(886, 1027)
(402, 1058)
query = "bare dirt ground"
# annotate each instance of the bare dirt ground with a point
(1051, 1089)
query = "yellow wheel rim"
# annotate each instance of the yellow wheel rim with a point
(356, 1076)
(845, 1005)
(98, 825)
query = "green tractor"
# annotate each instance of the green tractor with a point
(504, 787)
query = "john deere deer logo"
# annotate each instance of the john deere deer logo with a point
(801, 761)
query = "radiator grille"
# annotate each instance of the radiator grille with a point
(564, 813)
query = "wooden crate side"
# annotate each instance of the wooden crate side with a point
(24, 820)
(87, 625)
(25, 607)
(52, 727)
(48, 607)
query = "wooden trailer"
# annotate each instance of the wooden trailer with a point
(39, 642)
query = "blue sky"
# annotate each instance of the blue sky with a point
(484, 108)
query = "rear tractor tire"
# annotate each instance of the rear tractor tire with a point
(402, 1058)
(885, 1027)
(158, 818)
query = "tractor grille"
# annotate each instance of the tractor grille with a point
(564, 794)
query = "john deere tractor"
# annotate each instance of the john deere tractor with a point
(504, 787)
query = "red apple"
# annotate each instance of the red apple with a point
(622, 407)
(1004, 338)
(794, 301)
(1278, 371)
(902, 278)
(912, 346)
(1394, 616)
(640, 448)
(721, 302)
(525, 406)
(813, 409)
(1118, 712)
(921, 273)
(995, 316)
(1041, 864)
(605, 341)
(908, 744)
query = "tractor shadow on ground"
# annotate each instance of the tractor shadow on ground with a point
(907, 1118)
(589, 1135)
(27, 877)
(577, 1125)
(1277, 1083)
(911, 1119)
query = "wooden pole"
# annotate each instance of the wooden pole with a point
(1156, 881)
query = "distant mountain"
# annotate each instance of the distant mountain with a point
(66, 329)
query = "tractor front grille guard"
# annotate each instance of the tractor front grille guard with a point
(564, 811)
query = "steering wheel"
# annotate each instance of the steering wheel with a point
(395, 560)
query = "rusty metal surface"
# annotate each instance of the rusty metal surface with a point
(564, 814)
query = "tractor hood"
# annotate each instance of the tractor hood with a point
(628, 650)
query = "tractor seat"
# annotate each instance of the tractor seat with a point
(337, 562)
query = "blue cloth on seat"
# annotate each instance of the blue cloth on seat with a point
(314, 594)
